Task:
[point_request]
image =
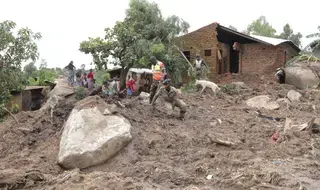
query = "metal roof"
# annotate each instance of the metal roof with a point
(140, 70)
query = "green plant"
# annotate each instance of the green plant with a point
(190, 87)
(101, 76)
(229, 89)
(80, 93)
(14, 108)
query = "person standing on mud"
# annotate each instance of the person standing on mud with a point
(158, 74)
(90, 79)
(70, 68)
(172, 97)
(199, 65)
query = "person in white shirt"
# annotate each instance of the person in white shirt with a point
(199, 65)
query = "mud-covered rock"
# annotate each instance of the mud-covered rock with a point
(90, 137)
(294, 96)
(263, 101)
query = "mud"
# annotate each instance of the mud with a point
(167, 153)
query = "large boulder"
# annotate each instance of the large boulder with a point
(90, 136)
(62, 91)
(263, 101)
(302, 77)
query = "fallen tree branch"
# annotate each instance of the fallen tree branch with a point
(14, 117)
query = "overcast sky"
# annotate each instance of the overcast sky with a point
(65, 23)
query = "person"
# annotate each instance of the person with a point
(70, 67)
(90, 79)
(78, 78)
(84, 80)
(172, 97)
(199, 64)
(158, 74)
(130, 85)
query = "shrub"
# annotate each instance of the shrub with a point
(80, 93)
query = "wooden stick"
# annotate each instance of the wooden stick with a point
(221, 142)
(14, 117)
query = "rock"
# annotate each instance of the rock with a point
(285, 100)
(62, 91)
(90, 137)
(287, 125)
(294, 96)
(239, 85)
(263, 101)
(301, 77)
(144, 95)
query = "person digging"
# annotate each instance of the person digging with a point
(172, 97)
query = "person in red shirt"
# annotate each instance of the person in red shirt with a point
(90, 79)
(130, 85)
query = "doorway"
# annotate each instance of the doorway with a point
(234, 61)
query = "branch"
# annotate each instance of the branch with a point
(14, 117)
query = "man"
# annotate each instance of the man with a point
(199, 63)
(158, 74)
(172, 97)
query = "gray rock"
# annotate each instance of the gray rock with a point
(294, 96)
(263, 101)
(89, 137)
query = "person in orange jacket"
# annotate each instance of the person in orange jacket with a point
(158, 75)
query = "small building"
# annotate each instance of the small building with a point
(228, 51)
(29, 99)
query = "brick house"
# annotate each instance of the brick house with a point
(225, 50)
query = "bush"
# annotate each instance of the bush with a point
(80, 93)
(15, 108)
(190, 87)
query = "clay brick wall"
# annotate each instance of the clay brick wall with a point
(260, 58)
(197, 42)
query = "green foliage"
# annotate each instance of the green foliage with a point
(316, 43)
(16, 46)
(143, 32)
(14, 108)
(261, 27)
(289, 35)
(80, 93)
(190, 87)
(230, 89)
(302, 57)
(101, 76)
(29, 69)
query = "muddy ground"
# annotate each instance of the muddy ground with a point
(167, 153)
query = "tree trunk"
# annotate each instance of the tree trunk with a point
(123, 76)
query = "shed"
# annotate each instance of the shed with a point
(143, 77)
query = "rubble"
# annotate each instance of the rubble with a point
(294, 96)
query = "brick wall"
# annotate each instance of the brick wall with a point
(199, 41)
(260, 58)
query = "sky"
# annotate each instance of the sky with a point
(65, 23)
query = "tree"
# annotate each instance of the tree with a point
(289, 35)
(233, 28)
(29, 69)
(43, 64)
(315, 45)
(16, 46)
(143, 32)
(261, 27)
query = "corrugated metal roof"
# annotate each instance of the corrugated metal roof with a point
(140, 70)
(273, 41)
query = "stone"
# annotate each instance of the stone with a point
(62, 91)
(301, 77)
(285, 100)
(263, 101)
(89, 137)
(294, 96)
(144, 95)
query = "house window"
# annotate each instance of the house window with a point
(207, 52)
(187, 54)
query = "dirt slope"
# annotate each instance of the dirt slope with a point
(170, 154)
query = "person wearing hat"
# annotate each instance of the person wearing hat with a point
(199, 63)
(158, 75)
(172, 97)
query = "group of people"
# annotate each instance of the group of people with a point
(161, 83)
(82, 78)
